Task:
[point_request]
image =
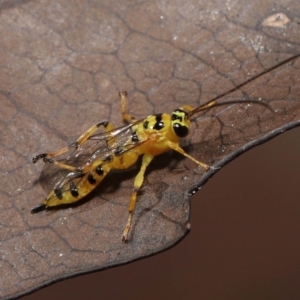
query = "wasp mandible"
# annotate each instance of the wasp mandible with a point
(93, 155)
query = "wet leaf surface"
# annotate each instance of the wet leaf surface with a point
(62, 66)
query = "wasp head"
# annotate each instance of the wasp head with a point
(180, 123)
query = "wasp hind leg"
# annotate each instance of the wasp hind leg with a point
(147, 158)
(47, 157)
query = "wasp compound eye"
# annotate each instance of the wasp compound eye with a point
(180, 130)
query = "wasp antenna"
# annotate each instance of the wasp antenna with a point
(215, 103)
(38, 208)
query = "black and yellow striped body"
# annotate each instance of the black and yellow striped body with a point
(95, 154)
(152, 137)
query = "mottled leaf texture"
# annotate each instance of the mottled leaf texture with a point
(62, 64)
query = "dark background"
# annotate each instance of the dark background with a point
(244, 242)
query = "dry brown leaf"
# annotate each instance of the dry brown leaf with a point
(62, 65)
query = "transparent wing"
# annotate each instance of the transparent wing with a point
(98, 147)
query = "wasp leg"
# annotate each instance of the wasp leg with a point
(84, 137)
(147, 158)
(126, 117)
(176, 147)
(58, 164)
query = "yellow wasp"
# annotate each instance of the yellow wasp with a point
(95, 154)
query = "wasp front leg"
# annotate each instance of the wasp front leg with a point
(47, 157)
(176, 147)
(147, 158)
(126, 117)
